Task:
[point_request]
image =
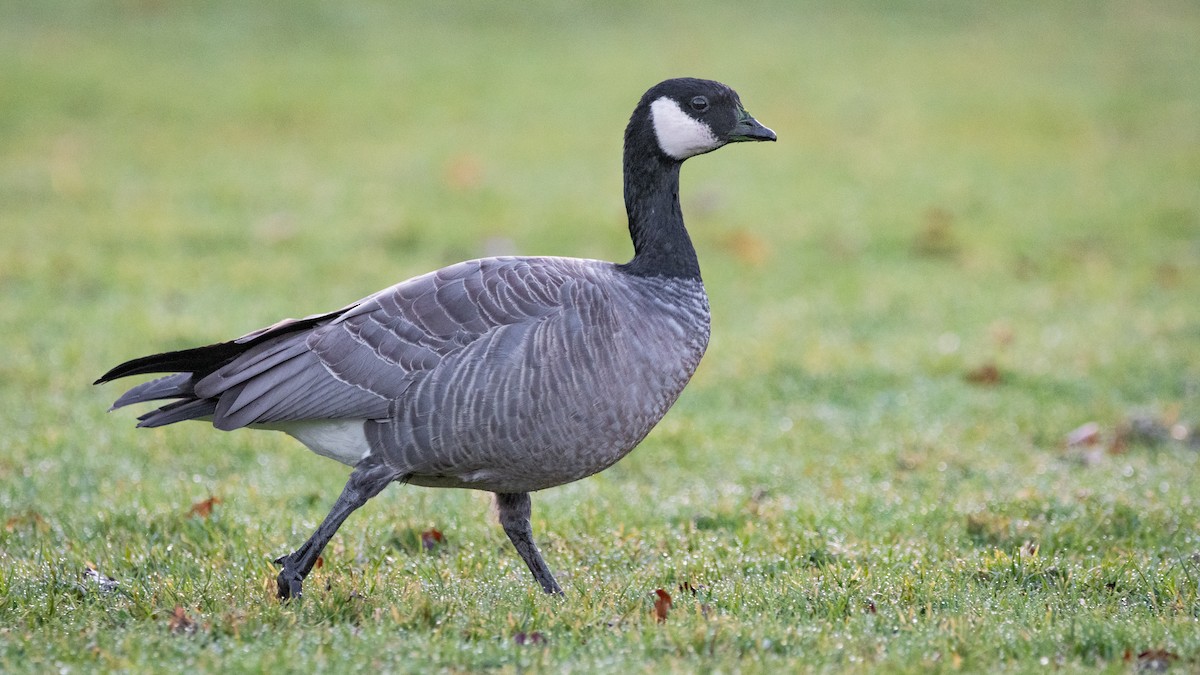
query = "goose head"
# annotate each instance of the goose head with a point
(689, 117)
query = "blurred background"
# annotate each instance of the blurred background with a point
(978, 233)
(955, 187)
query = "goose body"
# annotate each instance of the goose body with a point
(501, 374)
(507, 374)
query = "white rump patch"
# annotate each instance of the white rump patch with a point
(343, 440)
(679, 134)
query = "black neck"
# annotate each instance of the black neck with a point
(661, 245)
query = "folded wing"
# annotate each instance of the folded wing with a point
(353, 363)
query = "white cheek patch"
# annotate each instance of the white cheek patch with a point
(679, 134)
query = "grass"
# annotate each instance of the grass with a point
(979, 231)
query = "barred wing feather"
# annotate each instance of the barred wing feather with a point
(355, 363)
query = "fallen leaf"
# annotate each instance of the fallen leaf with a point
(1119, 444)
(748, 248)
(204, 508)
(662, 605)
(1153, 660)
(463, 172)
(1085, 434)
(28, 519)
(180, 622)
(1083, 444)
(320, 562)
(431, 538)
(532, 638)
(1168, 275)
(986, 375)
(936, 238)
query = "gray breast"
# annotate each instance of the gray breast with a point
(595, 361)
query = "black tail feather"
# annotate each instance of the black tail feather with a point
(178, 412)
(189, 367)
(206, 359)
(179, 385)
(196, 360)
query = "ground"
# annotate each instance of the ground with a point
(947, 419)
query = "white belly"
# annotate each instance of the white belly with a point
(343, 440)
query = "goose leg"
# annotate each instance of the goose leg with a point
(365, 482)
(514, 517)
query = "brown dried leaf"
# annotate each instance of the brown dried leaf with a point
(1168, 275)
(748, 248)
(1152, 660)
(936, 238)
(1120, 442)
(532, 638)
(1085, 434)
(28, 519)
(180, 623)
(431, 538)
(464, 172)
(986, 375)
(662, 605)
(204, 508)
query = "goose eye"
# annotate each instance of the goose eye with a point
(699, 104)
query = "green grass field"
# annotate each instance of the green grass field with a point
(978, 232)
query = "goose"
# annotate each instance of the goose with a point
(503, 374)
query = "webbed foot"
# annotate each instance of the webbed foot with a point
(290, 582)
